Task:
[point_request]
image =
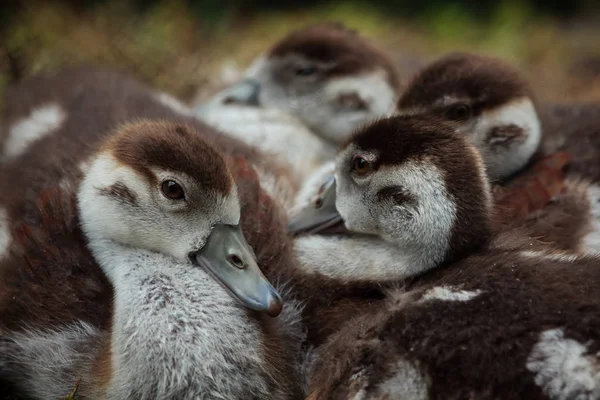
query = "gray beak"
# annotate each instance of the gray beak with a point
(231, 261)
(245, 93)
(320, 216)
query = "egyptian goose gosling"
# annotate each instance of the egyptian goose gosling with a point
(53, 123)
(496, 109)
(465, 299)
(412, 196)
(146, 290)
(306, 95)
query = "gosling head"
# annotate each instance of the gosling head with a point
(489, 100)
(328, 76)
(413, 182)
(159, 187)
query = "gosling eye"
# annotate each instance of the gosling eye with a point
(172, 190)
(306, 71)
(361, 166)
(459, 112)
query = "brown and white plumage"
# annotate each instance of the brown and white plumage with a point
(329, 76)
(404, 219)
(306, 95)
(91, 102)
(469, 300)
(496, 109)
(49, 340)
(493, 326)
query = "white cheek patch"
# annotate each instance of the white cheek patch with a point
(106, 170)
(373, 88)
(5, 236)
(435, 210)
(41, 122)
(417, 234)
(98, 215)
(319, 108)
(563, 368)
(149, 222)
(174, 104)
(447, 293)
(349, 196)
(521, 113)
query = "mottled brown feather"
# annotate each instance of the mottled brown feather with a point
(467, 349)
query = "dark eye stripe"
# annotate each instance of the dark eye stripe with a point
(120, 192)
(306, 71)
(397, 194)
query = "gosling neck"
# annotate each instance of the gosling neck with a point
(361, 257)
(175, 329)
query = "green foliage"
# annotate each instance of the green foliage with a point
(505, 32)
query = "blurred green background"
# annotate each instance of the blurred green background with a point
(191, 48)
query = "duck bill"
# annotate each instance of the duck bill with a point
(244, 93)
(319, 217)
(231, 261)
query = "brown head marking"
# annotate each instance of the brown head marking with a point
(173, 147)
(485, 81)
(399, 139)
(333, 43)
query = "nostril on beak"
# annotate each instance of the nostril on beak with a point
(236, 261)
(230, 100)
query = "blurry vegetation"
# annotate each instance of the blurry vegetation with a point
(181, 46)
